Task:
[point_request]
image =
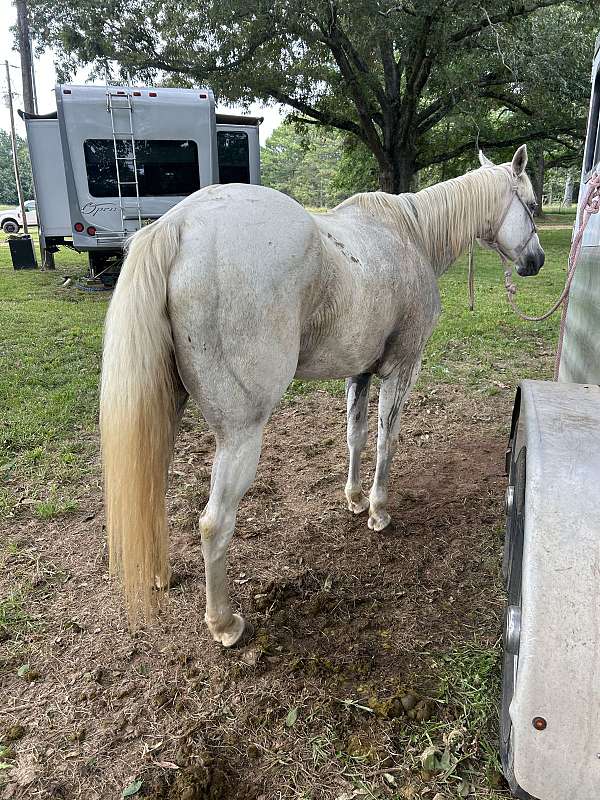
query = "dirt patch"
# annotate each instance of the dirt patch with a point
(349, 622)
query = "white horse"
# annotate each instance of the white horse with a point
(238, 289)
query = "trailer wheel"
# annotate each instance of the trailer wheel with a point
(512, 569)
(10, 226)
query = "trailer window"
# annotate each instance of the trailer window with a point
(592, 150)
(234, 157)
(164, 167)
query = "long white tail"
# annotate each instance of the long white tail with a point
(137, 416)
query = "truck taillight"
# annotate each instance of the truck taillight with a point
(91, 231)
(79, 227)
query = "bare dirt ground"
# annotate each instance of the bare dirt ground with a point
(350, 624)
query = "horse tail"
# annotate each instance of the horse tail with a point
(138, 416)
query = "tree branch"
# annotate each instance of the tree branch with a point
(437, 110)
(365, 113)
(513, 11)
(513, 141)
(509, 102)
(322, 117)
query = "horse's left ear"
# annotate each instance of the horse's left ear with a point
(519, 161)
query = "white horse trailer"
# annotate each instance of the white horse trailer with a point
(113, 158)
(550, 716)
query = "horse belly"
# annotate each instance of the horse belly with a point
(341, 356)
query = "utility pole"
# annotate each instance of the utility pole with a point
(13, 137)
(35, 100)
(24, 38)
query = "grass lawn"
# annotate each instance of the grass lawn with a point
(49, 370)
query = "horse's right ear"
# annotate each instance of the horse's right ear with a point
(485, 161)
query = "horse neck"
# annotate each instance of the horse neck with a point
(453, 213)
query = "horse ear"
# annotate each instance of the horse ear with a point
(519, 161)
(484, 160)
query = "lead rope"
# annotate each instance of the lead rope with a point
(471, 277)
(591, 205)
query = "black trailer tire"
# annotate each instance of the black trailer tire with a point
(10, 226)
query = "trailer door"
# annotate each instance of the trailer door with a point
(47, 165)
(238, 150)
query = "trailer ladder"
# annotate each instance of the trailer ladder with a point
(120, 108)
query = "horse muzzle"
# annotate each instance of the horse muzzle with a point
(531, 263)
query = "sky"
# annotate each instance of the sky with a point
(45, 77)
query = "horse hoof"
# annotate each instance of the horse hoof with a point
(379, 520)
(358, 505)
(247, 635)
(237, 634)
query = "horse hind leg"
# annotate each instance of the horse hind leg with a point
(357, 406)
(234, 468)
(393, 393)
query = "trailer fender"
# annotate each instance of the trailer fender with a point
(550, 719)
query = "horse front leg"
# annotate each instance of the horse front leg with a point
(357, 406)
(393, 393)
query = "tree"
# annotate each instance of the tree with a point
(304, 164)
(8, 188)
(392, 73)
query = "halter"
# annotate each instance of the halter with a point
(492, 243)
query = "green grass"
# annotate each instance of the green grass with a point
(492, 345)
(49, 365)
(13, 617)
(458, 747)
(50, 360)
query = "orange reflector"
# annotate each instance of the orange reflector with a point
(539, 723)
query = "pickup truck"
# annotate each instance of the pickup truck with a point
(11, 220)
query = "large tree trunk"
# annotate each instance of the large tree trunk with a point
(397, 173)
(536, 172)
(568, 195)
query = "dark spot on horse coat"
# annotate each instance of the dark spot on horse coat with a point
(189, 339)
(361, 383)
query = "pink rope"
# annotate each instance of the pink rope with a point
(591, 205)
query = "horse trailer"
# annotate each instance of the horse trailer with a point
(550, 714)
(113, 158)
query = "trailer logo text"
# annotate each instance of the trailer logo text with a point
(93, 209)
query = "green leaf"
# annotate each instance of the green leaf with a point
(23, 670)
(429, 759)
(4, 765)
(133, 788)
(291, 717)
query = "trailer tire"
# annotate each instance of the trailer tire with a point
(10, 226)
(512, 570)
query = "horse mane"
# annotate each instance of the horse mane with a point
(445, 217)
